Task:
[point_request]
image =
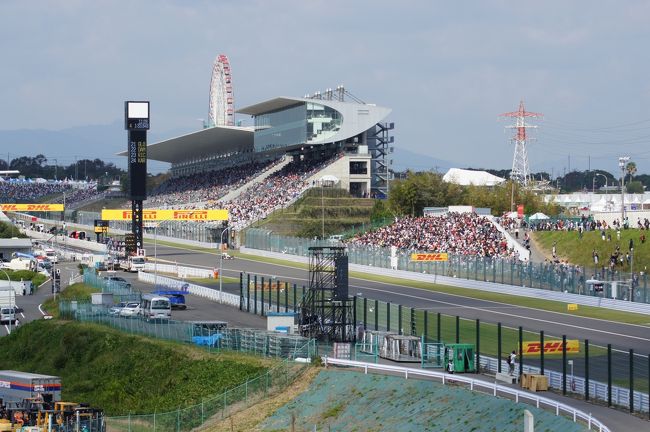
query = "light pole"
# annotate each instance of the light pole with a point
(221, 260)
(622, 161)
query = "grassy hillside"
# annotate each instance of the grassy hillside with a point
(305, 218)
(578, 250)
(123, 373)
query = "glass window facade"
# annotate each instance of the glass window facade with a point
(282, 128)
(322, 122)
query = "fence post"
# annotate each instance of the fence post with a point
(457, 329)
(413, 323)
(365, 313)
(277, 295)
(587, 369)
(438, 328)
(609, 374)
(499, 347)
(632, 380)
(286, 296)
(262, 302)
(376, 314)
(541, 351)
(388, 316)
(564, 365)
(241, 291)
(255, 295)
(295, 301)
(478, 344)
(521, 352)
(248, 293)
(399, 319)
(354, 316)
(426, 325)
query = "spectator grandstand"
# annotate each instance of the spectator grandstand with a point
(33, 190)
(456, 233)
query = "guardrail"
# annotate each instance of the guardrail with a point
(493, 388)
(201, 291)
(514, 290)
(180, 271)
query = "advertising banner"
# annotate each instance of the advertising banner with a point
(435, 256)
(31, 207)
(551, 347)
(168, 215)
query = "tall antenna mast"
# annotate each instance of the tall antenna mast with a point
(520, 170)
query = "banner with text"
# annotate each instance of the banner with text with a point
(437, 256)
(168, 215)
(31, 207)
(551, 347)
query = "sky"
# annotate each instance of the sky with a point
(446, 69)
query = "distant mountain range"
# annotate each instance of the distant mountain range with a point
(104, 141)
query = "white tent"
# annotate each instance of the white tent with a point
(467, 177)
(538, 216)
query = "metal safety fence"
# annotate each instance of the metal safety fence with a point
(573, 366)
(212, 336)
(547, 276)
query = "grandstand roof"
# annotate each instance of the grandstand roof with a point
(271, 105)
(468, 177)
(204, 143)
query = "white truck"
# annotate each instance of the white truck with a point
(133, 263)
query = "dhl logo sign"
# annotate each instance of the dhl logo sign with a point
(31, 207)
(551, 347)
(163, 215)
(437, 256)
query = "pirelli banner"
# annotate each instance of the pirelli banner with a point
(426, 257)
(550, 347)
(31, 207)
(167, 215)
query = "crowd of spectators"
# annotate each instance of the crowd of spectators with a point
(276, 191)
(22, 191)
(455, 233)
(198, 189)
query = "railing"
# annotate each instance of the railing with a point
(201, 291)
(493, 388)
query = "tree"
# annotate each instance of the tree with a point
(630, 168)
(634, 187)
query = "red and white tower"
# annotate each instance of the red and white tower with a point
(520, 170)
(222, 108)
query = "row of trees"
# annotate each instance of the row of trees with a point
(426, 189)
(40, 166)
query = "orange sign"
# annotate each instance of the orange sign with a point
(159, 215)
(31, 207)
(551, 347)
(435, 256)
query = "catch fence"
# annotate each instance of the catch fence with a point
(547, 276)
(594, 372)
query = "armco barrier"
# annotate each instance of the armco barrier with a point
(495, 389)
(198, 290)
(516, 290)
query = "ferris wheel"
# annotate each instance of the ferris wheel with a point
(222, 112)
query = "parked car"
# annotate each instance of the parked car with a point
(117, 280)
(130, 310)
(115, 310)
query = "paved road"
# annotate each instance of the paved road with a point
(599, 332)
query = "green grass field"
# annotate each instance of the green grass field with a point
(578, 250)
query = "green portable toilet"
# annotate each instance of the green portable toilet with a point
(462, 357)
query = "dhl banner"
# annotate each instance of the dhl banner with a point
(162, 215)
(437, 256)
(31, 207)
(551, 347)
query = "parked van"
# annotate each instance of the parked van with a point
(154, 306)
(7, 314)
(52, 256)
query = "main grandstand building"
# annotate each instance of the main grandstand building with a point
(346, 139)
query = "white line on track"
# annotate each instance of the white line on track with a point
(460, 305)
(40, 309)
